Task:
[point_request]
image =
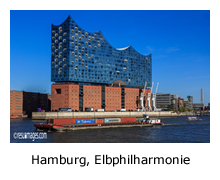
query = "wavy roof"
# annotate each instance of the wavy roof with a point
(118, 49)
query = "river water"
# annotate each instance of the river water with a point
(174, 130)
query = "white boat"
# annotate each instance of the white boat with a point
(152, 121)
(192, 118)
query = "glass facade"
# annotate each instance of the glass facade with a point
(84, 57)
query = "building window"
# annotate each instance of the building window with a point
(58, 91)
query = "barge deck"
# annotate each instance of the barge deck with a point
(75, 128)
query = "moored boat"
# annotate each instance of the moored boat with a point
(192, 118)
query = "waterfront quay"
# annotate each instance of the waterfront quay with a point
(59, 115)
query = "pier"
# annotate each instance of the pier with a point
(59, 115)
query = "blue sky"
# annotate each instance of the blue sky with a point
(179, 42)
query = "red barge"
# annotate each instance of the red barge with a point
(99, 123)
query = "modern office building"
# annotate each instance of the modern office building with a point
(174, 101)
(190, 98)
(198, 106)
(189, 102)
(90, 73)
(163, 100)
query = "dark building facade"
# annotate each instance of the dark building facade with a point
(33, 101)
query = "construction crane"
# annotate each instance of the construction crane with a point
(149, 97)
(154, 99)
(142, 98)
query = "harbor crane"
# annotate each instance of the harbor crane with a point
(149, 97)
(142, 98)
(154, 99)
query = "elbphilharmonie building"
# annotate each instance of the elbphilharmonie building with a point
(88, 63)
(81, 56)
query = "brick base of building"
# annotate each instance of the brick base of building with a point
(96, 97)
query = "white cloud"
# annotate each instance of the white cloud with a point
(172, 49)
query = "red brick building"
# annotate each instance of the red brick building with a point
(131, 98)
(92, 97)
(24, 103)
(80, 97)
(16, 103)
(64, 96)
(112, 98)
